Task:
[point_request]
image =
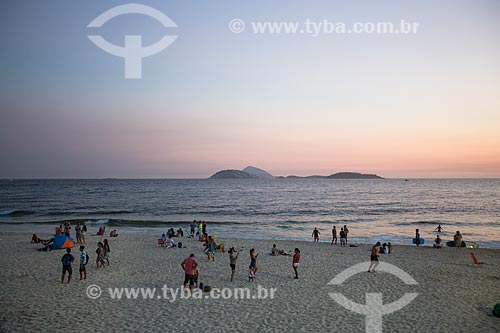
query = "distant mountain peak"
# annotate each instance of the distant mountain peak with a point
(258, 172)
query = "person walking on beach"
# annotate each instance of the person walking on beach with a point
(253, 261)
(346, 232)
(343, 239)
(295, 262)
(374, 258)
(233, 256)
(417, 237)
(334, 235)
(188, 265)
(316, 234)
(439, 229)
(84, 259)
(66, 260)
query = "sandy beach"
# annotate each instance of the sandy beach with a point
(453, 294)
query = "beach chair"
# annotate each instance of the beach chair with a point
(474, 259)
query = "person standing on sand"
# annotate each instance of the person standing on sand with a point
(83, 263)
(417, 237)
(193, 227)
(66, 260)
(233, 256)
(334, 235)
(253, 261)
(106, 250)
(343, 240)
(295, 262)
(204, 227)
(374, 258)
(316, 234)
(188, 265)
(346, 232)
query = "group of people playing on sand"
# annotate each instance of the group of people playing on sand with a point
(191, 268)
(342, 234)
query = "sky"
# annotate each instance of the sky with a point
(399, 105)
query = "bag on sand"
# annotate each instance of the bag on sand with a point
(496, 310)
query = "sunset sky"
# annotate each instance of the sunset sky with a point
(406, 105)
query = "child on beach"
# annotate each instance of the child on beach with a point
(295, 262)
(343, 239)
(251, 274)
(334, 235)
(316, 234)
(233, 256)
(253, 262)
(374, 258)
(196, 273)
(84, 259)
(77, 232)
(66, 260)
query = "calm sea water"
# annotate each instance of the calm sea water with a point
(385, 210)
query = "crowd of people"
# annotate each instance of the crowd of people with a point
(210, 247)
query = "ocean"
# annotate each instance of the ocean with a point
(374, 210)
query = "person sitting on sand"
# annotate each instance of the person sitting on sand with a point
(171, 232)
(458, 239)
(59, 230)
(316, 234)
(276, 251)
(47, 244)
(35, 239)
(113, 233)
(295, 262)
(343, 239)
(437, 242)
(100, 232)
(170, 243)
(374, 258)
